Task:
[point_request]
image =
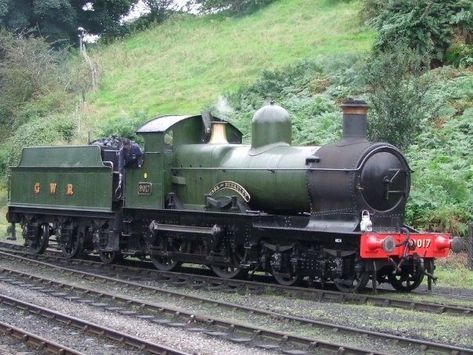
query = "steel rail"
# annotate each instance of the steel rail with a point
(240, 285)
(422, 344)
(93, 328)
(35, 341)
(229, 330)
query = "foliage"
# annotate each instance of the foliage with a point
(160, 10)
(30, 72)
(124, 127)
(59, 19)
(427, 26)
(105, 18)
(39, 131)
(460, 55)
(38, 85)
(232, 6)
(442, 194)
(397, 96)
(372, 9)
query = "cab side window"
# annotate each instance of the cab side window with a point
(168, 140)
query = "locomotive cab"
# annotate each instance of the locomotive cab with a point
(119, 153)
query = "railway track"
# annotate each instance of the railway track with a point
(87, 327)
(195, 280)
(34, 341)
(232, 331)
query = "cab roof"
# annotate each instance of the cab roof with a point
(162, 123)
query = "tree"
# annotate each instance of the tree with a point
(59, 19)
(159, 11)
(232, 6)
(397, 95)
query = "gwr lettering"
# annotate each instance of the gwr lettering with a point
(52, 188)
(69, 190)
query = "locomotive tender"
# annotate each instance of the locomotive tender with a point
(333, 213)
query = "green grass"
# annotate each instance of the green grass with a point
(186, 63)
(453, 271)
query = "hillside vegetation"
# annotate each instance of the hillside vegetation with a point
(185, 63)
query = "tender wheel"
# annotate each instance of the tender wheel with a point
(233, 270)
(109, 257)
(407, 280)
(36, 237)
(70, 240)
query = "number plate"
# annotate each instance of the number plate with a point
(144, 188)
(422, 243)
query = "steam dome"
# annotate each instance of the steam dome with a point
(270, 125)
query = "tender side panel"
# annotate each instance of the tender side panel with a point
(63, 188)
(66, 178)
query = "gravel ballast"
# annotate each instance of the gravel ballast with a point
(175, 338)
(399, 322)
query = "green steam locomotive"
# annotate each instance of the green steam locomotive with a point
(196, 194)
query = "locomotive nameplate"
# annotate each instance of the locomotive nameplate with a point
(231, 185)
(144, 188)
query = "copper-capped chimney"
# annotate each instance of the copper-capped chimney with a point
(355, 121)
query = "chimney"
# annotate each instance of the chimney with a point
(219, 134)
(355, 121)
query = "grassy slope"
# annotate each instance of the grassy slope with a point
(186, 63)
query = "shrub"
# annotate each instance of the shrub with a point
(34, 79)
(460, 55)
(397, 96)
(39, 131)
(427, 26)
(123, 127)
(442, 187)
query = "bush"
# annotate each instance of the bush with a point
(442, 187)
(427, 26)
(34, 79)
(460, 55)
(39, 131)
(397, 96)
(123, 127)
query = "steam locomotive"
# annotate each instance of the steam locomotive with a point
(196, 194)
